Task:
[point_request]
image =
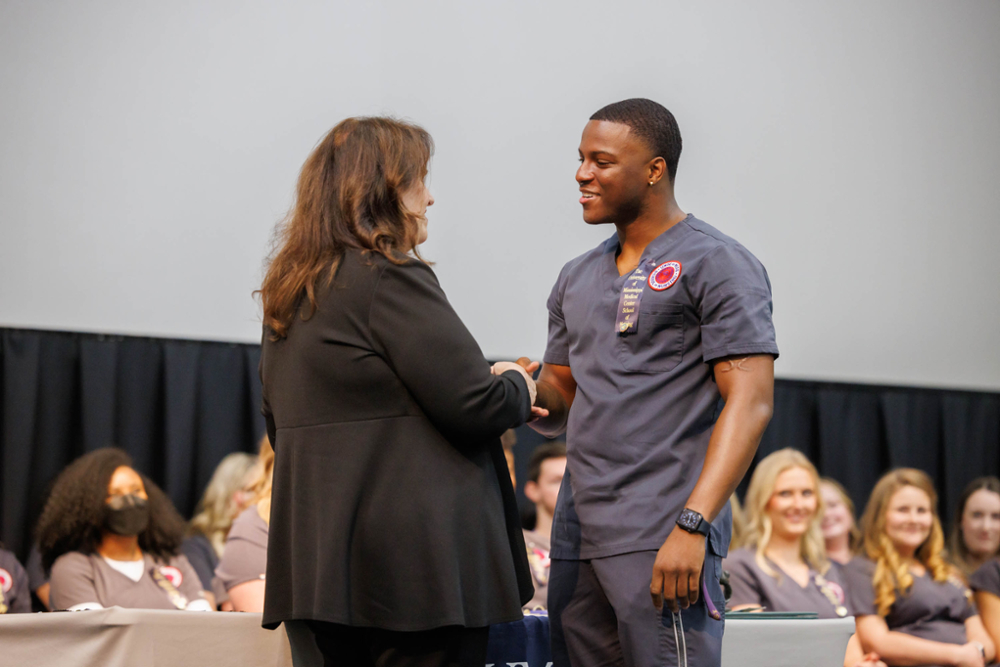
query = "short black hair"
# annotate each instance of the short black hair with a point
(651, 121)
(541, 454)
(74, 514)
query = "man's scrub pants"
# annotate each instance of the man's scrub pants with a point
(601, 614)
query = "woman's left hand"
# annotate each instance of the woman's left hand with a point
(501, 367)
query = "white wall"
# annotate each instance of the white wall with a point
(148, 148)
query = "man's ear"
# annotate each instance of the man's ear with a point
(531, 492)
(656, 170)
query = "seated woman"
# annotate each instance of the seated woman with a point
(244, 560)
(783, 565)
(225, 497)
(111, 537)
(15, 596)
(910, 607)
(840, 530)
(986, 583)
(975, 533)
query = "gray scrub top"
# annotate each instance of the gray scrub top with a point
(245, 556)
(646, 402)
(15, 597)
(931, 609)
(824, 594)
(78, 578)
(987, 578)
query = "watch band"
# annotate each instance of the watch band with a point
(693, 522)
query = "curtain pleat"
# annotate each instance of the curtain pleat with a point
(178, 407)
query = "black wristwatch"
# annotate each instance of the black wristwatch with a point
(693, 522)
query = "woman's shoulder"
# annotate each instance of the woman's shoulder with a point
(860, 564)
(987, 577)
(364, 272)
(71, 563)
(742, 558)
(249, 526)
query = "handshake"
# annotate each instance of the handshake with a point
(526, 367)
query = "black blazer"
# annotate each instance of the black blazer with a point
(391, 505)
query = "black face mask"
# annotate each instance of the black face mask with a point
(126, 515)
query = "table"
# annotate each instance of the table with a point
(119, 637)
(746, 643)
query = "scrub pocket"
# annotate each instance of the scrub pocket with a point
(658, 345)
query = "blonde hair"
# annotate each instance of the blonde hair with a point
(214, 514)
(739, 524)
(758, 531)
(891, 571)
(260, 486)
(854, 537)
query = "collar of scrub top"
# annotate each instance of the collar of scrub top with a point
(656, 249)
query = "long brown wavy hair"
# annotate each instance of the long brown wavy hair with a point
(957, 549)
(892, 575)
(349, 195)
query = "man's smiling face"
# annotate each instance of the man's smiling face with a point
(612, 173)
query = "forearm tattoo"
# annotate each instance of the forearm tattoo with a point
(735, 365)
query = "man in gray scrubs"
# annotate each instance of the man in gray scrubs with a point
(646, 332)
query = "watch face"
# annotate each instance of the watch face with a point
(689, 519)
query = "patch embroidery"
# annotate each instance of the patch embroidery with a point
(664, 275)
(6, 580)
(172, 574)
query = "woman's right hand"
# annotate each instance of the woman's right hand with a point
(501, 367)
(969, 655)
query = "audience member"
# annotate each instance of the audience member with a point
(15, 596)
(738, 538)
(224, 498)
(508, 440)
(975, 532)
(783, 566)
(38, 580)
(910, 607)
(840, 530)
(112, 537)
(986, 583)
(545, 473)
(244, 560)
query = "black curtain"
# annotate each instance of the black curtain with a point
(179, 406)
(854, 433)
(176, 406)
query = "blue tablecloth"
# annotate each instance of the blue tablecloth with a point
(524, 641)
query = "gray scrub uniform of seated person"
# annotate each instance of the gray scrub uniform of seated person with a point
(245, 556)
(823, 594)
(637, 436)
(987, 578)
(79, 578)
(15, 596)
(930, 609)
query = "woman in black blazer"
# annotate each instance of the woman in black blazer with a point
(394, 534)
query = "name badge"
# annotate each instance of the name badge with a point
(628, 304)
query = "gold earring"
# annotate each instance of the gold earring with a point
(651, 182)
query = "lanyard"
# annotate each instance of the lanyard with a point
(175, 596)
(824, 587)
(628, 304)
